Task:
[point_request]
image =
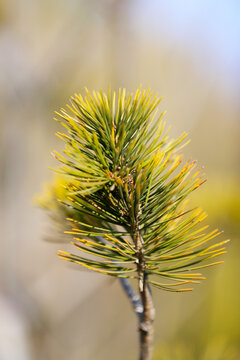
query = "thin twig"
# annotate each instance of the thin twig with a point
(133, 297)
(135, 300)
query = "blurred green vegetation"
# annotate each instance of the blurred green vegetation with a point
(212, 332)
(190, 55)
(217, 349)
(220, 197)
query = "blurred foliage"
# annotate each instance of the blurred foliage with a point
(213, 332)
(53, 193)
(221, 199)
(215, 349)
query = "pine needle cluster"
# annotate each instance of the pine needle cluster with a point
(126, 188)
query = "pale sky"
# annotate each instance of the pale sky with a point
(208, 29)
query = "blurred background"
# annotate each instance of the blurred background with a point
(188, 52)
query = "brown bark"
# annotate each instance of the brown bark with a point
(147, 316)
(146, 322)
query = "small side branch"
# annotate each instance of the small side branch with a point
(135, 300)
(133, 297)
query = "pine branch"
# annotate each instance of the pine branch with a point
(125, 193)
(121, 167)
(134, 299)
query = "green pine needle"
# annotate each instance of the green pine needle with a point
(125, 182)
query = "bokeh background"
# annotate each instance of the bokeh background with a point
(188, 52)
